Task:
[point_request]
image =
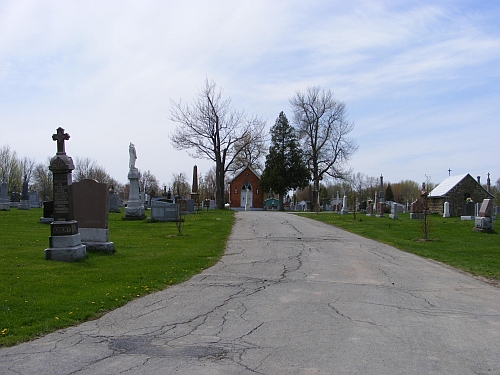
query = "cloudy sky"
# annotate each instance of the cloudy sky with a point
(420, 79)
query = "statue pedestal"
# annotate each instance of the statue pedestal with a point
(135, 207)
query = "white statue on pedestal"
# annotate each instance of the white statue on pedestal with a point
(133, 155)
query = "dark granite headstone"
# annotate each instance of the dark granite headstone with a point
(469, 209)
(48, 212)
(90, 204)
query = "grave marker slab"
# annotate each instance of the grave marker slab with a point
(114, 203)
(4, 200)
(161, 210)
(90, 203)
(48, 212)
(394, 211)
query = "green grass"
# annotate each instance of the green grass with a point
(452, 241)
(39, 296)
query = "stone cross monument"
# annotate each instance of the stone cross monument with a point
(64, 241)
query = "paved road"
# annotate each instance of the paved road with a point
(290, 296)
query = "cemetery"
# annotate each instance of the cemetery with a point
(96, 235)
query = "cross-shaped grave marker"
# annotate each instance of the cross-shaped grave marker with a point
(60, 137)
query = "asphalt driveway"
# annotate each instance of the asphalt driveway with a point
(290, 296)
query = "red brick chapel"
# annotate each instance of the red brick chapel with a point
(245, 189)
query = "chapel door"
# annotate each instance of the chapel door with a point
(246, 193)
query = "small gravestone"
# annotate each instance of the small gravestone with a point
(446, 209)
(469, 210)
(345, 210)
(90, 202)
(394, 211)
(380, 209)
(484, 222)
(34, 201)
(417, 209)
(48, 212)
(64, 241)
(14, 198)
(24, 203)
(364, 206)
(191, 206)
(114, 203)
(369, 208)
(161, 210)
(4, 200)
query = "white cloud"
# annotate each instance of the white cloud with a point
(412, 75)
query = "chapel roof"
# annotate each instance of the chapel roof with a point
(444, 187)
(243, 170)
(449, 183)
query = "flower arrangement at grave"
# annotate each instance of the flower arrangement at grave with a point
(469, 200)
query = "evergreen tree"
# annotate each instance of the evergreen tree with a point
(285, 167)
(389, 195)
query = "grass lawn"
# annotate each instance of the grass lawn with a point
(39, 296)
(452, 241)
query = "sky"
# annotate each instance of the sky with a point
(420, 79)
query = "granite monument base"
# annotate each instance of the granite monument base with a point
(65, 242)
(5, 206)
(66, 254)
(24, 205)
(416, 215)
(483, 224)
(134, 213)
(96, 240)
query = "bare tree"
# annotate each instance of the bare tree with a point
(149, 183)
(42, 180)
(323, 129)
(207, 185)
(88, 168)
(11, 168)
(27, 166)
(212, 128)
(180, 185)
(251, 154)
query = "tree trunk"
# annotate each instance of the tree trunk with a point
(219, 183)
(281, 205)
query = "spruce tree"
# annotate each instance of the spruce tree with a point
(285, 167)
(389, 195)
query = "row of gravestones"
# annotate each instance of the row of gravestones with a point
(90, 210)
(24, 201)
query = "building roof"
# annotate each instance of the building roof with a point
(444, 187)
(243, 170)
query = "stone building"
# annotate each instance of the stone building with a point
(456, 190)
(244, 189)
